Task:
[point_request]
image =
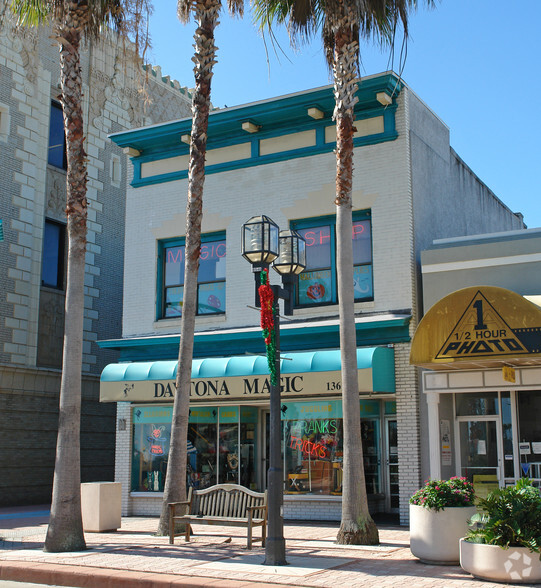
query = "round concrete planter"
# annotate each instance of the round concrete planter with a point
(516, 565)
(435, 535)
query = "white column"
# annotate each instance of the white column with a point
(433, 402)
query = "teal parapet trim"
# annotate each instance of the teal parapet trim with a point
(224, 343)
(379, 359)
(275, 117)
(257, 159)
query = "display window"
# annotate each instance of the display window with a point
(313, 446)
(151, 437)
(202, 437)
(221, 447)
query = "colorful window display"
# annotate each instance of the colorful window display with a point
(317, 284)
(313, 446)
(221, 446)
(151, 437)
(211, 277)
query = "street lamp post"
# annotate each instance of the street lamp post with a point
(263, 244)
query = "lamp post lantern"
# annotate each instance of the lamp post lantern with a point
(262, 243)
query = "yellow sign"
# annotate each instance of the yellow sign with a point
(508, 374)
(482, 326)
(480, 331)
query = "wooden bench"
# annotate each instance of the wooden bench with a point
(223, 504)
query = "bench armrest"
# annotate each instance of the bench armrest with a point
(251, 509)
(173, 506)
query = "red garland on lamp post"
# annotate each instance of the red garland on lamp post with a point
(266, 297)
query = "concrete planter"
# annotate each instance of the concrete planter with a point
(100, 506)
(435, 535)
(516, 565)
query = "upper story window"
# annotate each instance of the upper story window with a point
(57, 139)
(318, 283)
(211, 279)
(52, 267)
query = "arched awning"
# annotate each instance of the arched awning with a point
(478, 327)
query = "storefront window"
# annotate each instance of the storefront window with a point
(229, 446)
(202, 429)
(209, 429)
(370, 435)
(248, 449)
(529, 407)
(151, 436)
(480, 404)
(313, 447)
(507, 433)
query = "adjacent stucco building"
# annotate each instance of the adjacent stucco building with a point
(480, 346)
(32, 245)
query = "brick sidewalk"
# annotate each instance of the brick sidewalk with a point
(217, 557)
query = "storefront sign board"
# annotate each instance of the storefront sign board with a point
(234, 388)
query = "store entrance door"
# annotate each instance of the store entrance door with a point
(480, 453)
(391, 464)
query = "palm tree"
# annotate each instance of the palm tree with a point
(73, 21)
(343, 24)
(206, 15)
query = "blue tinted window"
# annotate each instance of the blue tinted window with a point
(57, 142)
(52, 269)
(317, 284)
(210, 282)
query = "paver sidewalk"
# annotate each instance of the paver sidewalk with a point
(217, 557)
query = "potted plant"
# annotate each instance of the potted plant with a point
(505, 544)
(439, 514)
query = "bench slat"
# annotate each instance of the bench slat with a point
(225, 521)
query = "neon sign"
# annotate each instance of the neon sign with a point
(156, 440)
(322, 235)
(309, 448)
(317, 426)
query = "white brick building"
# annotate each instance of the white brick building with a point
(32, 252)
(409, 188)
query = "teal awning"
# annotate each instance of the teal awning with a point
(375, 363)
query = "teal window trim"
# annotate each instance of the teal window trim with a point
(160, 277)
(1, 230)
(331, 221)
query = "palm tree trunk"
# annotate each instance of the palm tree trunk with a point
(204, 58)
(65, 530)
(356, 527)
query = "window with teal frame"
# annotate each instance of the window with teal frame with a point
(211, 278)
(317, 285)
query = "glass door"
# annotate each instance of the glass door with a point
(392, 486)
(480, 453)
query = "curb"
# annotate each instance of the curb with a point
(85, 577)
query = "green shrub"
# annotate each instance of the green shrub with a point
(509, 517)
(439, 494)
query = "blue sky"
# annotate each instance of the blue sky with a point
(473, 62)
